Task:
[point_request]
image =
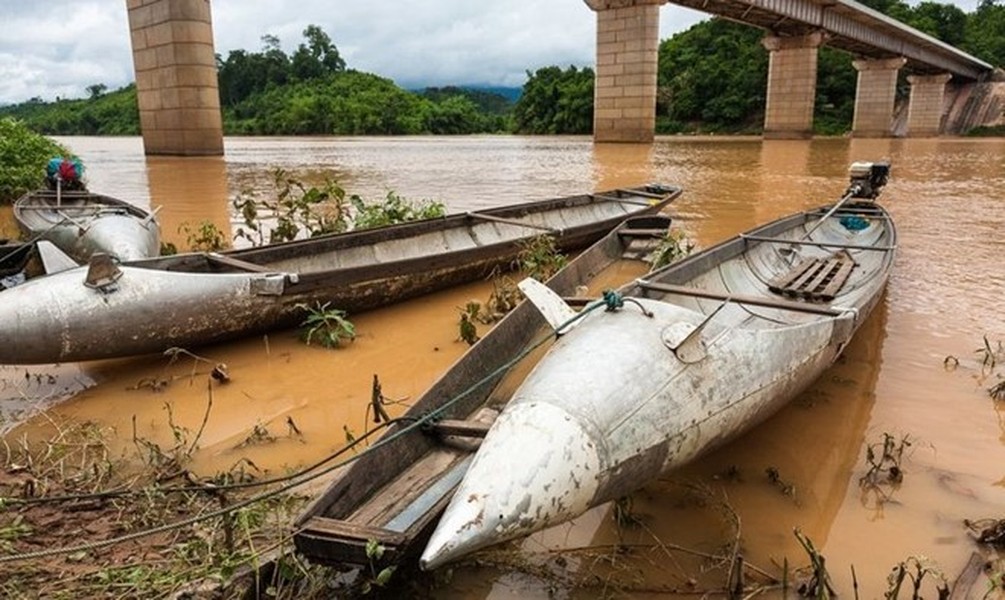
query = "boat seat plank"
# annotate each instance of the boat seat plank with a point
(461, 428)
(335, 541)
(819, 280)
(740, 299)
(241, 265)
(345, 529)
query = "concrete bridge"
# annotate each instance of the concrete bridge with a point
(179, 102)
(628, 39)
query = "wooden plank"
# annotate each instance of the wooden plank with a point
(797, 285)
(823, 275)
(740, 299)
(780, 282)
(461, 428)
(403, 489)
(761, 238)
(338, 529)
(335, 542)
(828, 293)
(235, 263)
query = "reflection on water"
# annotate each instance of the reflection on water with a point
(944, 295)
(188, 192)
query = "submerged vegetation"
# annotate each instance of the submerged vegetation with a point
(294, 210)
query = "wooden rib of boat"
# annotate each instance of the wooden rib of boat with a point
(700, 352)
(81, 223)
(396, 490)
(193, 299)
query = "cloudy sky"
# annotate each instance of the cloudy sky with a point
(59, 47)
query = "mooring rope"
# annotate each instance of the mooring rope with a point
(221, 512)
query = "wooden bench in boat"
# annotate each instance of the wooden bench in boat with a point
(815, 279)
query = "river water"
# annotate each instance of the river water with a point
(947, 197)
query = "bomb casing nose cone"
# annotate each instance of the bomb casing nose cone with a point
(538, 466)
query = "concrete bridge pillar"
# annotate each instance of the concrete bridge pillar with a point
(624, 96)
(176, 80)
(875, 95)
(924, 110)
(792, 85)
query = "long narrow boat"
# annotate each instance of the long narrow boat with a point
(81, 223)
(193, 299)
(396, 490)
(700, 352)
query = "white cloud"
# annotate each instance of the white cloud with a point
(59, 47)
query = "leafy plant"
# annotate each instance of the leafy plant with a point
(467, 330)
(394, 209)
(674, 246)
(23, 156)
(296, 209)
(206, 237)
(329, 326)
(374, 553)
(539, 258)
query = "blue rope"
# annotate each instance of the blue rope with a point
(613, 300)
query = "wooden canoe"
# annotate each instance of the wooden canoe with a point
(700, 352)
(192, 299)
(81, 223)
(396, 490)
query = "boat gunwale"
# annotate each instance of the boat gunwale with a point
(196, 262)
(21, 210)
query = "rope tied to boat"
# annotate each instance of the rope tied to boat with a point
(614, 301)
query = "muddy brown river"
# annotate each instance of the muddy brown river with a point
(946, 294)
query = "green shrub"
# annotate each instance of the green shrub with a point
(23, 156)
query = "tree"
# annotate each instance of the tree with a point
(96, 90)
(985, 32)
(318, 57)
(23, 156)
(714, 73)
(946, 22)
(556, 102)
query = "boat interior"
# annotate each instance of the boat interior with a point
(809, 266)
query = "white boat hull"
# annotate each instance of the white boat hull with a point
(612, 407)
(629, 394)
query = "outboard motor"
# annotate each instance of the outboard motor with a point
(867, 179)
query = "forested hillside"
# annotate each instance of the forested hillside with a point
(711, 79)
